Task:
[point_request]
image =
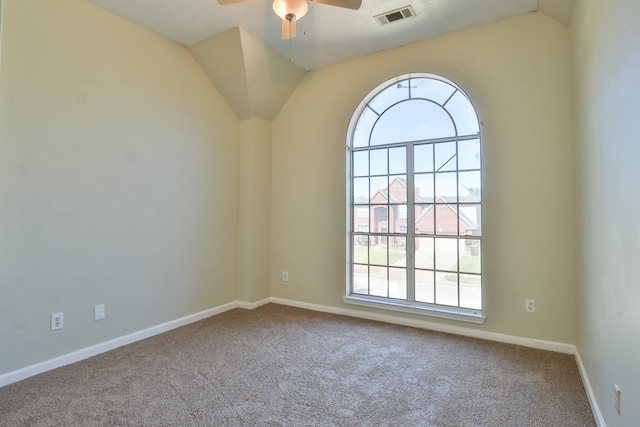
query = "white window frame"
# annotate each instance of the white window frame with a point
(409, 304)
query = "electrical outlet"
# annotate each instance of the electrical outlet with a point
(530, 305)
(57, 321)
(98, 312)
(285, 276)
(616, 392)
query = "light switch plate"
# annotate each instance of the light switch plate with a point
(98, 312)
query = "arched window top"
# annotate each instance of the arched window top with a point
(417, 107)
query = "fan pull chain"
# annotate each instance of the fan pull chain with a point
(290, 17)
(290, 48)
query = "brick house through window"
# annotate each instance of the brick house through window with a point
(386, 212)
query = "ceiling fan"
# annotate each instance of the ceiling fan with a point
(291, 11)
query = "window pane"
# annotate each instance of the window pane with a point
(470, 259)
(361, 279)
(445, 156)
(378, 281)
(398, 283)
(471, 215)
(361, 190)
(470, 291)
(360, 249)
(425, 219)
(423, 158)
(402, 215)
(447, 288)
(398, 251)
(435, 90)
(379, 220)
(378, 187)
(446, 186)
(398, 160)
(469, 154)
(378, 162)
(423, 184)
(446, 220)
(361, 218)
(362, 212)
(414, 120)
(424, 286)
(396, 223)
(363, 128)
(361, 163)
(470, 186)
(398, 189)
(378, 250)
(424, 252)
(464, 114)
(446, 254)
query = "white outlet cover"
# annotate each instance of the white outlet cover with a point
(530, 305)
(57, 321)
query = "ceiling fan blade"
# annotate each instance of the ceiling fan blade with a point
(225, 2)
(288, 29)
(349, 4)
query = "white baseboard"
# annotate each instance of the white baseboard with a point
(252, 305)
(85, 353)
(590, 393)
(425, 324)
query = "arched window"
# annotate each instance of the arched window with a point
(415, 199)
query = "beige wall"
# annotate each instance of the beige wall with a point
(117, 180)
(517, 72)
(606, 66)
(254, 201)
(126, 179)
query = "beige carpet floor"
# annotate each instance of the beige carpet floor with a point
(283, 366)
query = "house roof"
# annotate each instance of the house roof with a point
(454, 207)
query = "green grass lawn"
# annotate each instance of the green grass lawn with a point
(468, 264)
(378, 256)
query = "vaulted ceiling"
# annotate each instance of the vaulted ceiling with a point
(239, 46)
(333, 34)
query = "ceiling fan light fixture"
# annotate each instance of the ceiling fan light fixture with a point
(290, 10)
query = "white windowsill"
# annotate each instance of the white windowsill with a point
(441, 312)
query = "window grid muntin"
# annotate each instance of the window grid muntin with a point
(411, 201)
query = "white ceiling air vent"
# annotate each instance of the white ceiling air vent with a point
(395, 15)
